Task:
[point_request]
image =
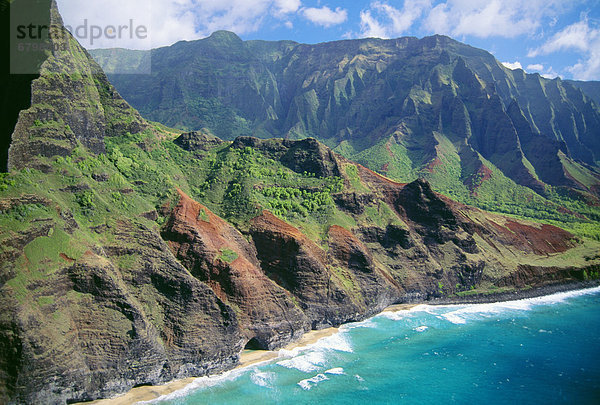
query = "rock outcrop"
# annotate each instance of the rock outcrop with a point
(198, 141)
(307, 155)
(72, 103)
(219, 255)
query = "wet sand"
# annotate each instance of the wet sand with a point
(250, 357)
(399, 307)
(143, 393)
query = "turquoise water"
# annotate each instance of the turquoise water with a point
(542, 350)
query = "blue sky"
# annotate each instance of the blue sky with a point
(551, 37)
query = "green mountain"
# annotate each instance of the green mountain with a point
(407, 108)
(134, 254)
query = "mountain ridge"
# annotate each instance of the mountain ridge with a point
(405, 107)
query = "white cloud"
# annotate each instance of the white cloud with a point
(536, 67)
(287, 6)
(80, 17)
(575, 36)
(169, 21)
(487, 18)
(325, 16)
(384, 21)
(547, 72)
(580, 37)
(513, 65)
(370, 27)
(551, 75)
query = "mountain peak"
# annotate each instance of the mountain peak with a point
(225, 36)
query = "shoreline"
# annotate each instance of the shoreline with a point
(516, 295)
(249, 358)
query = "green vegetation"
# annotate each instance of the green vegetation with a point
(203, 216)
(355, 182)
(486, 290)
(128, 180)
(85, 200)
(494, 192)
(289, 201)
(227, 256)
(6, 182)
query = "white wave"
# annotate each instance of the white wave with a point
(311, 382)
(336, 371)
(309, 362)
(314, 360)
(421, 328)
(312, 357)
(477, 311)
(394, 315)
(404, 313)
(455, 318)
(263, 379)
(367, 323)
(339, 342)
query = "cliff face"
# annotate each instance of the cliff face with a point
(329, 294)
(104, 294)
(131, 254)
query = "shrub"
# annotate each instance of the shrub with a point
(227, 256)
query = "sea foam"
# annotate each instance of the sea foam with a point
(461, 314)
(196, 384)
(262, 379)
(311, 382)
(335, 371)
(309, 362)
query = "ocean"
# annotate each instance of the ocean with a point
(541, 350)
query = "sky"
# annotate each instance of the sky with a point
(549, 37)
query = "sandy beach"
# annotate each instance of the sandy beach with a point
(247, 358)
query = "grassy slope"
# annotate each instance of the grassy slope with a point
(129, 180)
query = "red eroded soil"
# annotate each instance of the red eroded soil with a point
(546, 239)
